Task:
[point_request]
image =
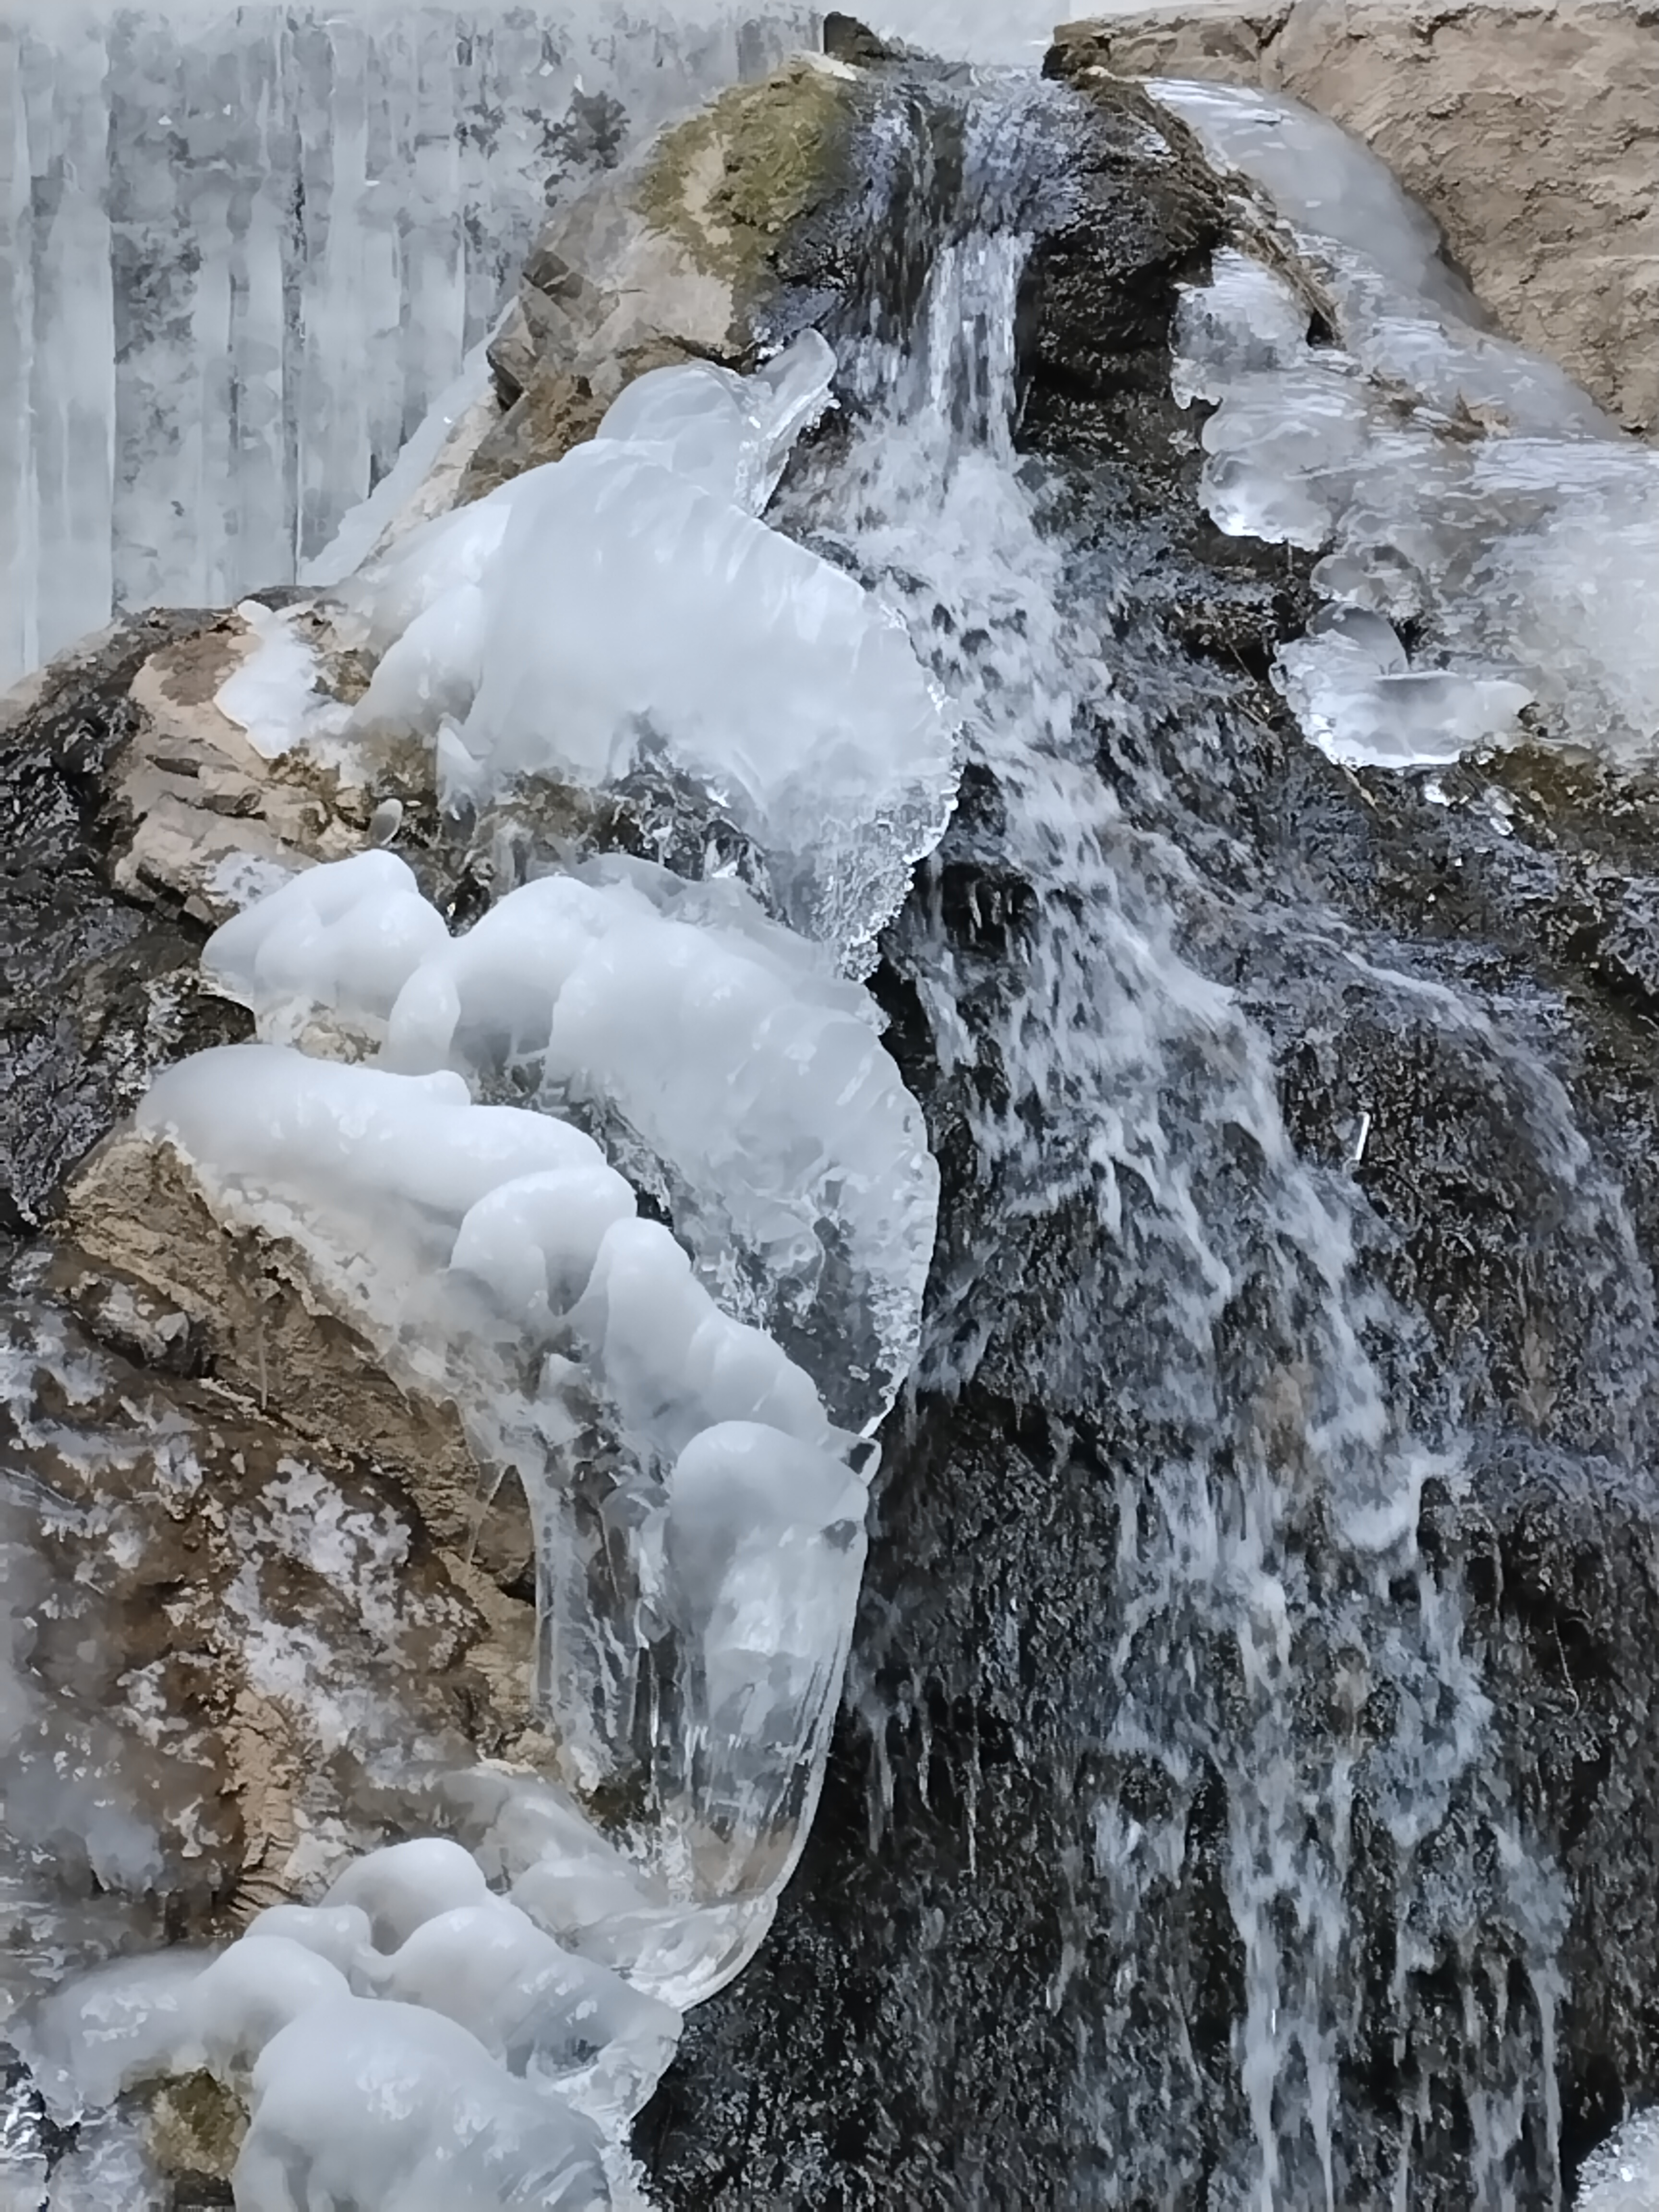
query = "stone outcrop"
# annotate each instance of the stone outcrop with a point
(671, 258)
(1529, 129)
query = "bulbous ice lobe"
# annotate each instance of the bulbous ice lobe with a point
(511, 637)
(718, 1051)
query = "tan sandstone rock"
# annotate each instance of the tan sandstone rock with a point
(1529, 129)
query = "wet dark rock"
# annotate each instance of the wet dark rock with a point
(1460, 979)
(96, 994)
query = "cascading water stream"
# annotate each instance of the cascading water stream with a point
(1273, 1626)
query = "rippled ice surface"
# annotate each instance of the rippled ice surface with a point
(1452, 482)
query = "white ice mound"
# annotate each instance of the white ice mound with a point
(493, 1256)
(389, 2108)
(727, 1067)
(624, 609)
(350, 936)
(1623, 2175)
(1451, 480)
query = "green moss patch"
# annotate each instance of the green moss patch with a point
(731, 182)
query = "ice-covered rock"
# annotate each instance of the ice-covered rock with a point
(392, 2107)
(107, 2031)
(730, 1069)
(1622, 2174)
(1447, 476)
(419, 1211)
(624, 609)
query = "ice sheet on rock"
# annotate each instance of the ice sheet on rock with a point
(277, 696)
(730, 434)
(591, 1372)
(1350, 686)
(624, 609)
(1448, 478)
(389, 2107)
(723, 1062)
(247, 1996)
(1622, 2174)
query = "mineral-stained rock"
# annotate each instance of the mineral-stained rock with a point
(1528, 128)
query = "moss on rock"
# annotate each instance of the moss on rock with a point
(728, 185)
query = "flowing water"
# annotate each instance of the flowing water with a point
(1276, 1698)
(1270, 1630)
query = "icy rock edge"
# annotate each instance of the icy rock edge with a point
(473, 2021)
(1460, 492)
(507, 638)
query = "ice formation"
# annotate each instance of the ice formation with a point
(1623, 2175)
(509, 637)
(697, 1495)
(331, 203)
(1449, 480)
(726, 1067)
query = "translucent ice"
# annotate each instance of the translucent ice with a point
(328, 205)
(624, 609)
(389, 2108)
(353, 933)
(419, 1210)
(548, 2016)
(1446, 476)
(744, 1083)
(1349, 685)
(730, 434)
(576, 1884)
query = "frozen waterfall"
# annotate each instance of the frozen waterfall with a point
(624, 1172)
(244, 252)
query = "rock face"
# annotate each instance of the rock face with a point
(670, 259)
(1528, 128)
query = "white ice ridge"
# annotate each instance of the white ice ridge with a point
(625, 609)
(700, 1536)
(1622, 2174)
(1456, 485)
(724, 1061)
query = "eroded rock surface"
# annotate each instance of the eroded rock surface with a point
(1528, 128)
